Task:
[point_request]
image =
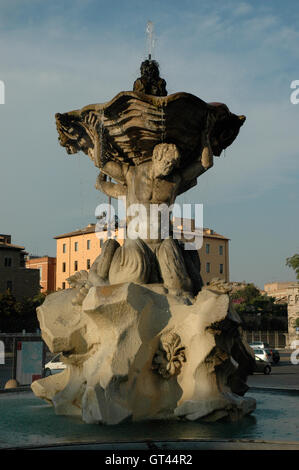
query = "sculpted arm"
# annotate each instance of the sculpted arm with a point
(115, 170)
(205, 159)
(111, 189)
(202, 164)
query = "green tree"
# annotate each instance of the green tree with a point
(16, 316)
(293, 262)
(257, 311)
(247, 293)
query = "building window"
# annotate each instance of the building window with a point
(76, 266)
(101, 243)
(64, 248)
(40, 272)
(76, 246)
(63, 267)
(208, 267)
(221, 269)
(207, 248)
(9, 285)
(7, 262)
(88, 244)
(88, 264)
(221, 250)
(63, 285)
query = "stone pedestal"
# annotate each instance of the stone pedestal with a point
(136, 353)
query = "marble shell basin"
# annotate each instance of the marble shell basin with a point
(131, 124)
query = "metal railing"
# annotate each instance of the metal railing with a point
(275, 339)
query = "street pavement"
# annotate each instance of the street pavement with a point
(284, 375)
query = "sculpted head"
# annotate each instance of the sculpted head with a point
(149, 69)
(166, 157)
(72, 135)
(226, 128)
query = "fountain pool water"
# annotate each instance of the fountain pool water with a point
(27, 421)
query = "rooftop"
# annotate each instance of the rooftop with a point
(5, 243)
(90, 228)
(11, 246)
(279, 285)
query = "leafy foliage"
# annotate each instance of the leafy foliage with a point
(247, 293)
(257, 311)
(16, 316)
(293, 262)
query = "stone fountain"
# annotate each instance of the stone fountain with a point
(142, 337)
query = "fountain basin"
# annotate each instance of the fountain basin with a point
(27, 421)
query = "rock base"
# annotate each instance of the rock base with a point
(136, 353)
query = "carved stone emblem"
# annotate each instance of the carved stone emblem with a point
(170, 356)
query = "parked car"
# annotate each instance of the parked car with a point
(262, 366)
(54, 366)
(260, 344)
(263, 354)
(263, 345)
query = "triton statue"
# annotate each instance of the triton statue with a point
(155, 147)
(150, 82)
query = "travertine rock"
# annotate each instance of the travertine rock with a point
(134, 352)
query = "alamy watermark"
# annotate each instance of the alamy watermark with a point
(294, 97)
(295, 354)
(2, 92)
(152, 221)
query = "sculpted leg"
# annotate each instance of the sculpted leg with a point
(133, 262)
(173, 269)
(98, 273)
(192, 263)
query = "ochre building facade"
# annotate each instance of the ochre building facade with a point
(47, 269)
(77, 250)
